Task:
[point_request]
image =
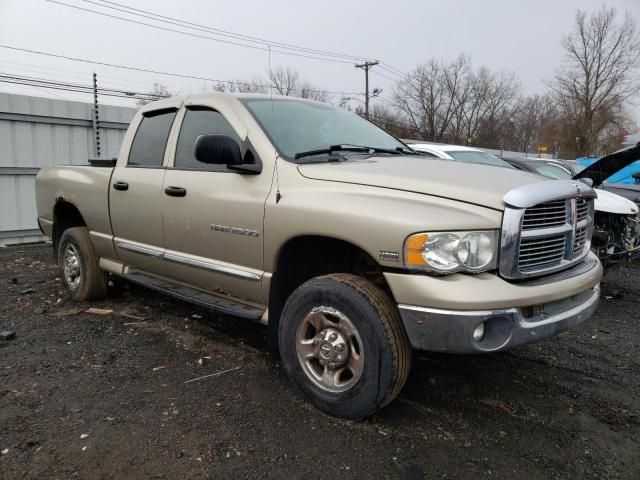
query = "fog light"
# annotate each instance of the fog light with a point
(478, 333)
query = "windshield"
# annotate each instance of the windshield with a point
(298, 126)
(472, 156)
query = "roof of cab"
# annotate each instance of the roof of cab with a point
(178, 101)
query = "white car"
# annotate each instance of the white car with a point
(459, 153)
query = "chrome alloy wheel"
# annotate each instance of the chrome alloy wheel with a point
(71, 266)
(329, 349)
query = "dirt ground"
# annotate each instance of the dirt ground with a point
(84, 395)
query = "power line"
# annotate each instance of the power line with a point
(40, 83)
(255, 47)
(155, 72)
(70, 74)
(384, 100)
(41, 90)
(74, 87)
(395, 80)
(56, 87)
(218, 31)
(390, 69)
(47, 81)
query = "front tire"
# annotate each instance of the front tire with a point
(79, 265)
(343, 345)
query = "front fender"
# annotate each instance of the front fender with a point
(372, 218)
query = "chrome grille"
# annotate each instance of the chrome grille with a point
(547, 235)
(536, 252)
(582, 209)
(579, 241)
(546, 214)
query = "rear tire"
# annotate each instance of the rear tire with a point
(343, 345)
(79, 265)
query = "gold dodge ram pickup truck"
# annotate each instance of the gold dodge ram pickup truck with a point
(348, 245)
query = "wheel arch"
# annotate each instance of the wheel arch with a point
(65, 215)
(307, 256)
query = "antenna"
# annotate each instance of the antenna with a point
(275, 150)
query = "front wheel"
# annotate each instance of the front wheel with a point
(343, 345)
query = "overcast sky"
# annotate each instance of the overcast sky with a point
(520, 36)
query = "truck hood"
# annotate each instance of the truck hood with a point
(607, 166)
(610, 202)
(465, 182)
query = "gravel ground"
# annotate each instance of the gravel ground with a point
(89, 395)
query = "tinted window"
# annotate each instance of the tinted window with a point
(199, 122)
(150, 141)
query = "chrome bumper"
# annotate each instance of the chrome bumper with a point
(452, 331)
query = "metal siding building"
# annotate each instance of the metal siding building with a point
(37, 132)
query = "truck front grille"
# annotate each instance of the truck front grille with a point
(546, 214)
(545, 237)
(580, 240)
(536, 253)
(582, 209)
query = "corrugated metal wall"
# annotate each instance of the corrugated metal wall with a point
(37, 132)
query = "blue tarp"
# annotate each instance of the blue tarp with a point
(622, 176)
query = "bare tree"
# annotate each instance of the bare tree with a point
(451, 101)
(158, 92)
(423, 97)
(285, 81)
(306, 90)
(599, 74)
(492, 98)
(252, 85)
(389, 119)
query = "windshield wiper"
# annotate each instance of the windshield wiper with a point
(331, 149)
(395, 151)
(348, 147)
(407, 151)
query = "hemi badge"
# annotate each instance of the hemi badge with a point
(389, 256)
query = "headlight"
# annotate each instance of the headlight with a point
(448, 252)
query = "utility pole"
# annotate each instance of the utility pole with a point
(96, 117)
(366, 66)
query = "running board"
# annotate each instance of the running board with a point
(198, 297)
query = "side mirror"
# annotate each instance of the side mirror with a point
(218, 150)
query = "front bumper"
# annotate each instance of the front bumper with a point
(443, 313)
(458, 331)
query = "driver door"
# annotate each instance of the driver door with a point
(213, 216)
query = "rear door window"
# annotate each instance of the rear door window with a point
(147, 149)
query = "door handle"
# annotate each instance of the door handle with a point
(121, 185)
(175, 191)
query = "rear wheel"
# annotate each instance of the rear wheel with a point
(343, 345)
(79, 267)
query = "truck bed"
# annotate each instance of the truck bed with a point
(85, 187)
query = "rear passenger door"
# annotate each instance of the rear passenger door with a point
(213, 231)
(135, 194)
